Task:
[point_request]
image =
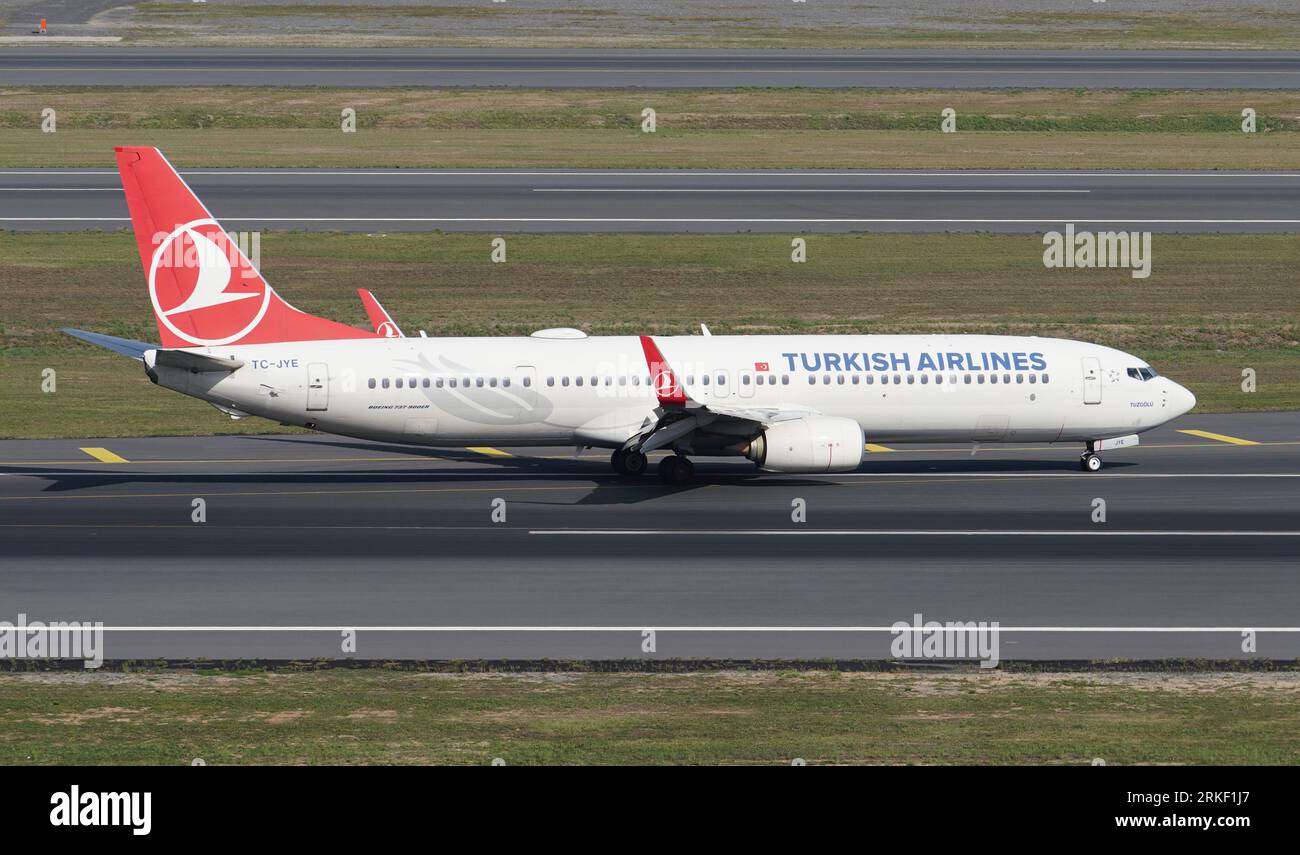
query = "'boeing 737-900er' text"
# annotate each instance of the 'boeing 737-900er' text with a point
(788, 403)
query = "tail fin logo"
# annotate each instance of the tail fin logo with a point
(202, 286)
(388, 329)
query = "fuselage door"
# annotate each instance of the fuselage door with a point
(1091, 380)
(721, 386)
(318, 386)
(526, 377)
(745, 383)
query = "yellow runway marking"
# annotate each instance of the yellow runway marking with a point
(103, 455)
(871, 446)
(488, 450)
(1205, 434)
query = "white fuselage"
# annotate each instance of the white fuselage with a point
(596, 390)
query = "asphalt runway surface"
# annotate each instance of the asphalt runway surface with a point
(678, 201)
(306, 536)
(660, 69)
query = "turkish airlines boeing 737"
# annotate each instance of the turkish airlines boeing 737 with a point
(788, 403)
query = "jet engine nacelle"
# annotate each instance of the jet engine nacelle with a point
(817, 444)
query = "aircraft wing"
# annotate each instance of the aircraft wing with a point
(678, 415)
(761, 415)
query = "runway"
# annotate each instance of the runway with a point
(678, 201)
(306, 536)
(659, 69)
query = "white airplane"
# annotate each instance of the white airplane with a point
(805, 404)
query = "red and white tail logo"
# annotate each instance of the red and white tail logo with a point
(204, 289)
(664, 380)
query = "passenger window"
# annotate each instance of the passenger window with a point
(577, 381)
(438, 382)
(898, 379)
(938, 379)
(385, 382)
(967, 379)
(871, 378)
(1020, 378)
(636, 380)
(722, 380)
(464, 381)
(979, 378)
(812, 379)
(595, 381)
(399, 382)
(505, 382)
(371, 384)
(704, 380)
(839, 379)
(1044, 378)
(564, 381)
(550, 381)
(925, 379)
(785, 379)
(1033, 378)
(1006, 378)
(451, 382)
(910, 379)
(478, 381)
(856, 379)
(609, 381)
(993, 378)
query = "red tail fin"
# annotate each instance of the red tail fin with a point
(204, 289)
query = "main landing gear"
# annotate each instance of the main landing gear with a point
(676, 471)
(628, 462)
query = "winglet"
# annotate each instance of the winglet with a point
(379, 317)
(665, 381)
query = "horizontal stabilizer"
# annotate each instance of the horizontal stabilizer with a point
(193, 361)
(125, 346)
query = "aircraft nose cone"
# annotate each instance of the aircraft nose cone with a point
(1183, 399)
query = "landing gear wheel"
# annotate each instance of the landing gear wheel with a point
(676, 471)
(1090, 462)
(628, 462)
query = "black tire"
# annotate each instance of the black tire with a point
(1090, 462)
(634, 463)
(618, 460)
(675, 471)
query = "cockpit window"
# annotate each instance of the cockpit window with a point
(1143, 374)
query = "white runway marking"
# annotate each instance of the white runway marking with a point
(778, 190)
(660, 628)
(906, 532)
